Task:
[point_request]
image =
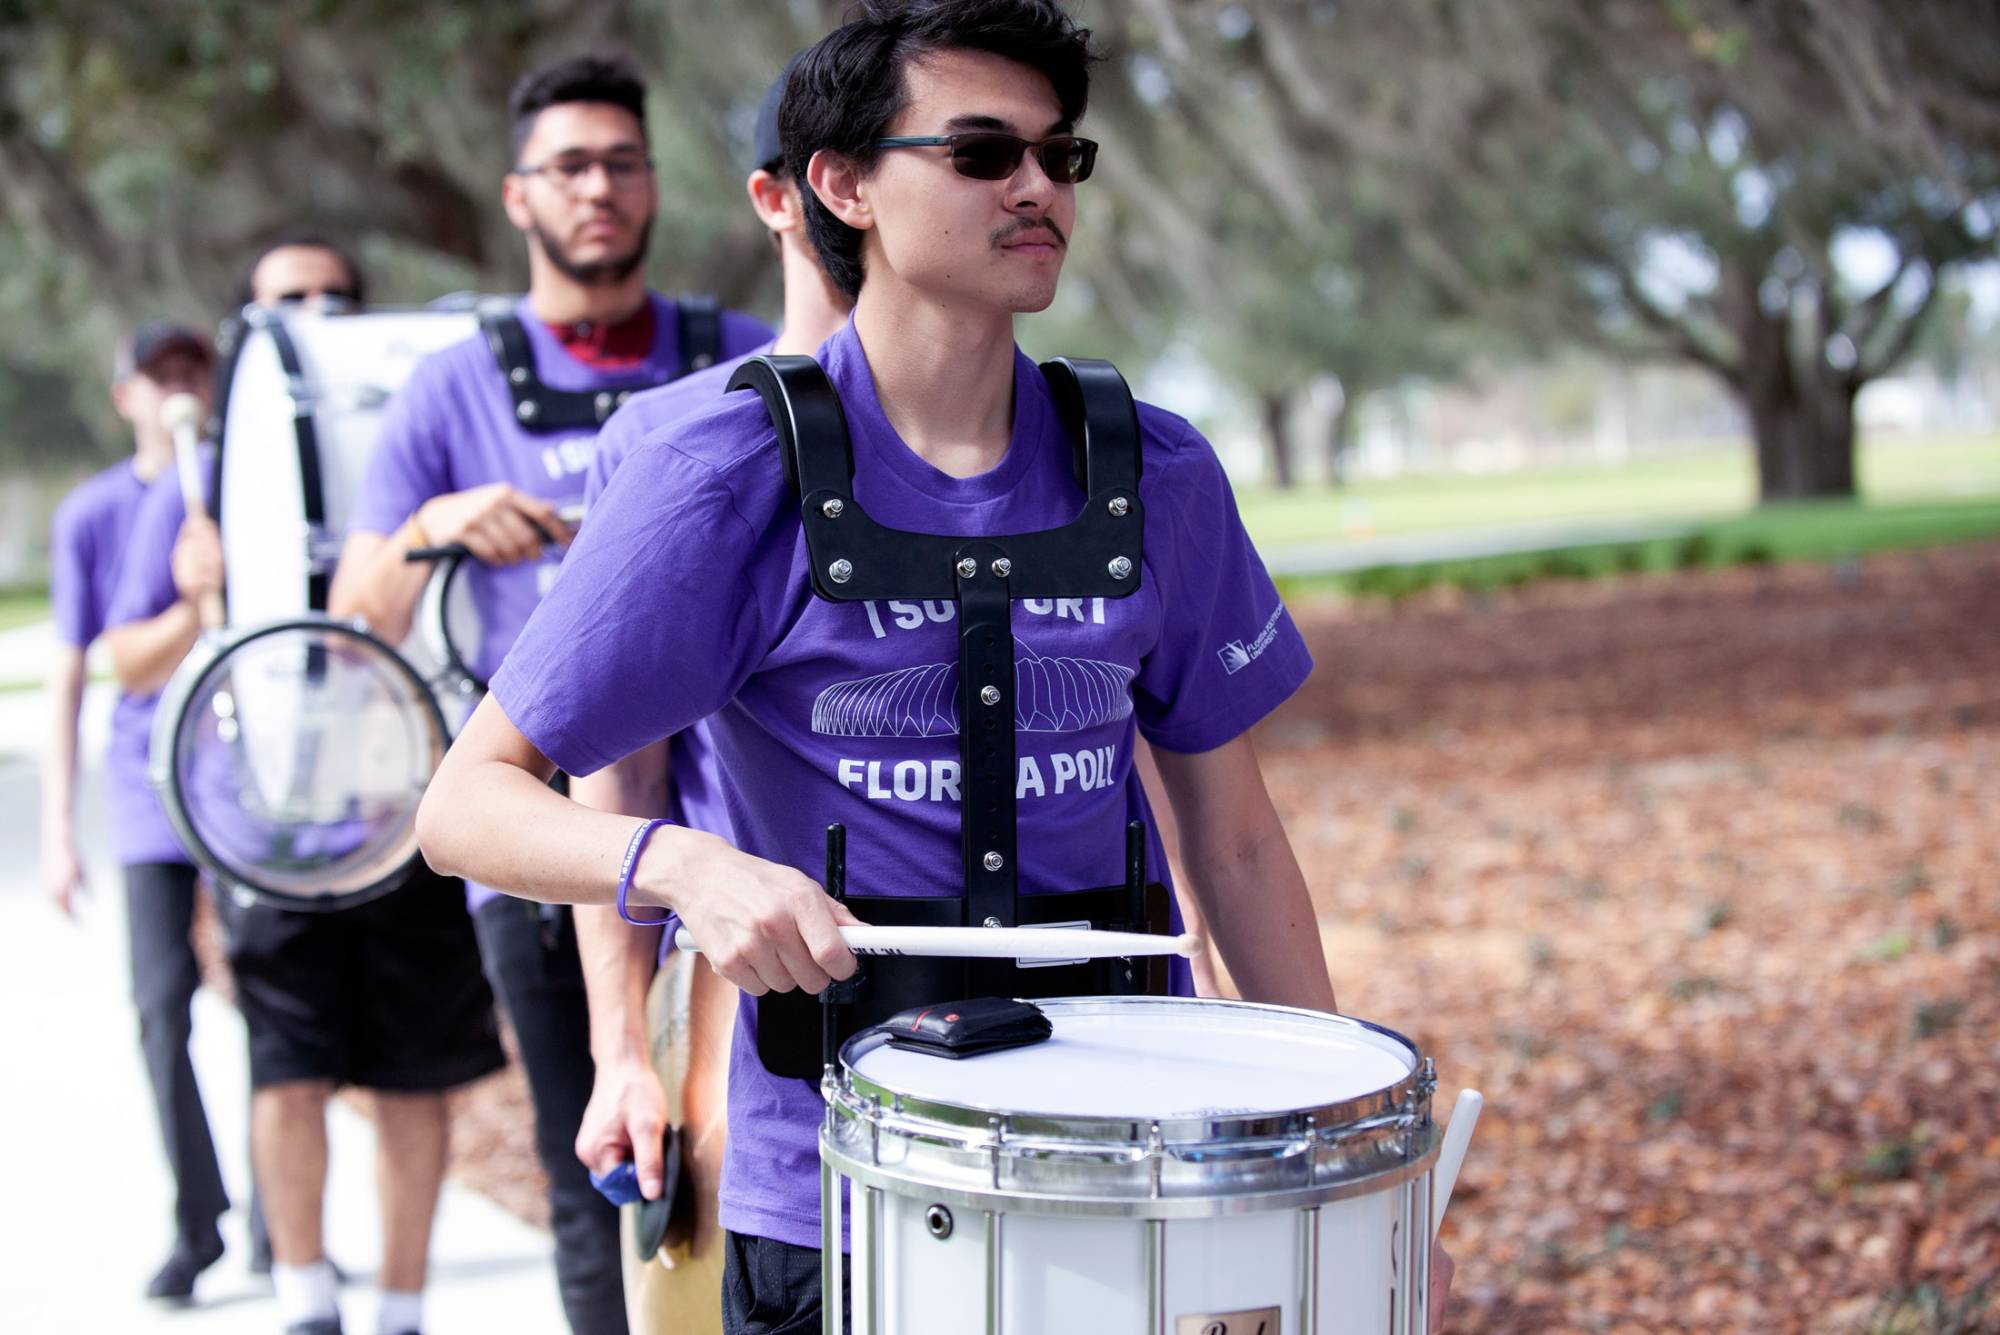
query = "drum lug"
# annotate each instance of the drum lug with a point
(1156, 1155)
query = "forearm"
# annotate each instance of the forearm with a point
(65, 697)
(618, 958)
(618, 961)
(495, 820)
(144, 654)
(1260, 915)
(376, 584)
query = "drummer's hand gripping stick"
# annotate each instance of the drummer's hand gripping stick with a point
(182, 415)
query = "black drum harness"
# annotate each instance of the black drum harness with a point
(539, 408)
(855, 559)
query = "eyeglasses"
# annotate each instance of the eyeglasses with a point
(987, 155)
(569, 171)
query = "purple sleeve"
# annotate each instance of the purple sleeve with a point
(743, 333)
(411, 462)
(72, 592)
(145, 585)
(1228, 653)
(653, 624)
(614, 442)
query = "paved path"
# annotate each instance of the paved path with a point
(86, 1216)
(1338, 556)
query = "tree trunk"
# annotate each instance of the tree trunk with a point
(1278, 439)
(1804, 439)
(1340, 438)
(1801, 408)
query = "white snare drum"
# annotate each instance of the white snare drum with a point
(1160, 1165)
(290, 758)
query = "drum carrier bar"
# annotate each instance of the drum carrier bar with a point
(540, 408)
(855, 559)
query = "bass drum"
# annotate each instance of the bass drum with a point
(293, 756)
(302, 403)
(290, 751)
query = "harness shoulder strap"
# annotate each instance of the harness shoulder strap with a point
(1097, 411)
(536, 406)
(812, 426)
(700, 318)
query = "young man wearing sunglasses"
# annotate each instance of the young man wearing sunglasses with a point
(697, 544)
(488, 446)
(302, 269)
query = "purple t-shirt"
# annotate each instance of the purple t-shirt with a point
(86, 546)
(145, 588)
(688, 589)
(646, 413)
(452, 427)
(697, 798)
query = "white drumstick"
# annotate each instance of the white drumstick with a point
(1028, 943)
(183, 414)
(1457, 1136)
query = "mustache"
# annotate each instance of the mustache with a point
(1001, 236)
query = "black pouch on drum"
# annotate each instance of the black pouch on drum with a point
(967, 1028)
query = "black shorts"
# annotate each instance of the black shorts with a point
(388, 995)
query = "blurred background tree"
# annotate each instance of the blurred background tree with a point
(1304, 197)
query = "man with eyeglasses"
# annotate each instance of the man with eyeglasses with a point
(387, 997)
(488, 446)
(937, 139)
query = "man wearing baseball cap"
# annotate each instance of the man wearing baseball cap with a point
(156, 361)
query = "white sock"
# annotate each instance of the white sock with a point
(305, 1292)
(401, 1313)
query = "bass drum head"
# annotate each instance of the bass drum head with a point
(292, 760)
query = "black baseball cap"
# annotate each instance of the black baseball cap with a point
(766, 152)
(151, 341)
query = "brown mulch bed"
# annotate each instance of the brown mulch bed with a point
(1694, 878)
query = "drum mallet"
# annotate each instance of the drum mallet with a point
(182, 414)
(1457, 1136)
(990, 943)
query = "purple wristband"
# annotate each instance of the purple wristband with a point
(632, 852)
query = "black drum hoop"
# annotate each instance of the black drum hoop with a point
(170, 798)
(455, 666)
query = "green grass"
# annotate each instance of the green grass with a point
(22, 606)
(1707, 485)
(1802, 531)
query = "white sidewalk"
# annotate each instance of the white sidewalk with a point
(86, 1214)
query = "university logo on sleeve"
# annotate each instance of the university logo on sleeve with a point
(1237, 655)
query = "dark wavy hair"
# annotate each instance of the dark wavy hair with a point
(246, 289)
(848, 87)
(586, 78)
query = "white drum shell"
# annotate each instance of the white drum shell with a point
(1313, 1219)
(1347, 1267)
(350, 365)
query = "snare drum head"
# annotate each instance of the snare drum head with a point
(1147, 1059)
(292, 760)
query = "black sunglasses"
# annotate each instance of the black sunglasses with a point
(987, 155)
